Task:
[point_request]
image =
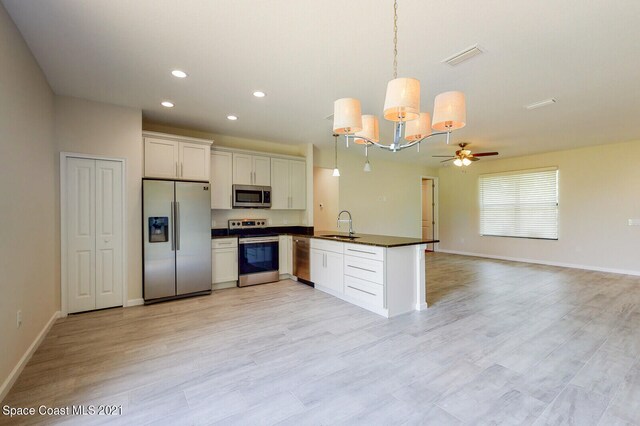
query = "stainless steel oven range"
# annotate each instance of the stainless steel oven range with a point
(257, 252)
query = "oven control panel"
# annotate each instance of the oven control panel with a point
(247, 223)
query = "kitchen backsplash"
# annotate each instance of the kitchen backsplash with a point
(220, 218)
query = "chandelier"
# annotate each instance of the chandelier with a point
(402, 107)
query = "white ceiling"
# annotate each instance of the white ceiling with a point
(306, 54)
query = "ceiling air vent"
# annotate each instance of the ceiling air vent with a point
(540, 104)
(466, 54)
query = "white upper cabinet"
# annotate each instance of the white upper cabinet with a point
(251, 170)
(160, 158)
(174, 157)
(288, 184)
(297, 185)
(221, 180)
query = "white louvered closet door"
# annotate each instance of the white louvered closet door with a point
(94, 234)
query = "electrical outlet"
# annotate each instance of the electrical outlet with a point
(285, 221)
(634, 222)
(19, 319)
(214, 223)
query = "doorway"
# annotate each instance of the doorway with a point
(92, 232)
(429, 210)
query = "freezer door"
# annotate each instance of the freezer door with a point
(158, 239)
(193, 237)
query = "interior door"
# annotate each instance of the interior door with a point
(81, 236)
(109, 228)
(193, 237)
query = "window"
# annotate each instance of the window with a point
(520, 204)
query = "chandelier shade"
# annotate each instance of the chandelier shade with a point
(419, 128)
(402, 101)
(347, 116)
(370, 130)
(449, 111)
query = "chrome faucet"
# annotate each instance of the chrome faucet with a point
(346, 220)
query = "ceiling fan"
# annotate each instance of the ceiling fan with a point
(464, 157)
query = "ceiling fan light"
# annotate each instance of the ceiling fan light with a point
(457, 162)
(418, 128)
(449, 111)
(347, 116)
(402, 101)
(466, 161)
(370, 129)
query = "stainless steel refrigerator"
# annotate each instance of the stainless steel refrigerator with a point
(177, 239)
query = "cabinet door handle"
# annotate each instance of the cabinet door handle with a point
(362, 269)
(361, 251)
(371, 294)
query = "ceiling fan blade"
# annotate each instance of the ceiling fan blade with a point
(444, 161)
(484, 154)
(444, 156)
(472, 158)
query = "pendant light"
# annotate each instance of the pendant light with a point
(402, 108)
(367, 164)
(336, 172)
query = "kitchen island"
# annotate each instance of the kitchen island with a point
(383, 274)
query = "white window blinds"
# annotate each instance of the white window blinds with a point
(520, 204)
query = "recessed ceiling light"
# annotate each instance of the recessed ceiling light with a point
(232, 117)
(259, 94)
(179, 74)
(541, 104)
(167, 104)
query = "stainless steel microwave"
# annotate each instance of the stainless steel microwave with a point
(251, 196)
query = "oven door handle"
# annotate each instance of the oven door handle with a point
(258, 240)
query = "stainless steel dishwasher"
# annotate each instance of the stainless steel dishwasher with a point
(301, 254)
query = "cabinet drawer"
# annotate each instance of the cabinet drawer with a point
(224, 243)
(370, 270)
(364, 291)
(364, 251)
(333, 246)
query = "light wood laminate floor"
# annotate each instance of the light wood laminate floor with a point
(501, 343)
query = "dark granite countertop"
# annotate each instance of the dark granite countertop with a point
(372, 240)
(305, 231)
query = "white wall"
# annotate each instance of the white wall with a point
(386, 201)
(88, 127)
(326, 194)
(599, 190)
(27, 203)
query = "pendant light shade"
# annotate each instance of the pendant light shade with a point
(370, 130)
(449, 111)
(367, 166)
(347, 116)
(418, 128)
(336, 172)
(466, 161)
(457, 162)
(402, 102)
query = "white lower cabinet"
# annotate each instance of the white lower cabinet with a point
(327, 266)
(355, 273)
(224, 260)
(285, 255)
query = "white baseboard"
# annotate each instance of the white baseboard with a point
(222, 286)
(544, 262)
(134, 302)
(15, 373)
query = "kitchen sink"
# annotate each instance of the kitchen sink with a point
(340, 237)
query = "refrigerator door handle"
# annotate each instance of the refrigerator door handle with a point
(177, 225)
(173, 226)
